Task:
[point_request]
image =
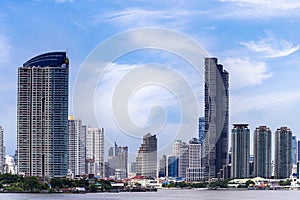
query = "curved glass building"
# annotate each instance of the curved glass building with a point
(42, 116)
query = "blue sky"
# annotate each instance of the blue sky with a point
(257, 42)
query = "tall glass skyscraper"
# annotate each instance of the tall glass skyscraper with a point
(42, 116)
(262, 152)
(216, 118)
(283, 153)
(240, 143)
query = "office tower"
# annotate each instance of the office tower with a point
(77, 147)
(194, 171)
(183, 160)
(172, 166)
(216, 112)
(294, 150)
(132, 167)
(146, 160)
(262, 152)
(202, 129)
(2, 151)
(251, 166)
(42, 116)
(162, 171)
(95, 151)
(240, 143)
(283, 152)
(123, 161)
(176, 148)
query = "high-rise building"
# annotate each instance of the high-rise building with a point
(77, 147)
(2, 151)
(201, 129)
(172, 166)
(146, 160)
(42, 116)
(216, 112)
(283, 153)
(194, 170)
(294, 150)
(262, 152)
(95, 151)
(162, 171)
(240, 143)
(123, 161)
(181, 151)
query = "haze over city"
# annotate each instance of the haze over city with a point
(257, 42)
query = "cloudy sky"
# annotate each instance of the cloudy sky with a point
(256, 41)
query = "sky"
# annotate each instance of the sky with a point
(145, 78)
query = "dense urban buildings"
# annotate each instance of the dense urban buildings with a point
(216, 102)
(240, 143)
(283, 152)
(194, 170)
(95, 151)
(2, 150)
(42, 116)
(262, 152)
(146, 160)
(77, 147)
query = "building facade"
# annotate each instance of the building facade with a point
(194, 170)
(283, 153)
(172, 166)
(216, 98)
(42, 116)
(201, 129)
(162, 171)
(262, 152)
(294, 150)
(2, 151)
(77, 147)
(95, 151)
(240, 143)
(146, 160)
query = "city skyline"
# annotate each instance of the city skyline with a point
(267, 53)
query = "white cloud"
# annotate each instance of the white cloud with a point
(271, 46)
(265, 8)
(136, 17)
(246, 72)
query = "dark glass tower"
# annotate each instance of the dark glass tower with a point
(42, 116)
(216, 118)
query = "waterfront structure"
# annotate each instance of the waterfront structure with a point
(77, 147)
(240, 143)
(172, 166)
(194, 170)
(162, 171)
(2, 151)
(146, 160)
(117, 162)
(201, 129)
(95, 151)
(283, 153)
(294, 150)
(216, 99)
(262, 152)
(42, 116)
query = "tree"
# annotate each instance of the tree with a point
(32, 183)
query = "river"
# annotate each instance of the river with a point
(164, 194)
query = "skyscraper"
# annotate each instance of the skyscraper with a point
(181, 151)
(216, 118)
(201, 129)
(2, 151)
(95, 151)
(77, 147)
(172, 166)
(283, 152)
(240, 143)
(162, 171)
(42, 116)
(146, 160)
(294, 150)
(262, 152)
(194, 170)
(123, 161)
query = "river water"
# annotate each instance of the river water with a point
(164, 194)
